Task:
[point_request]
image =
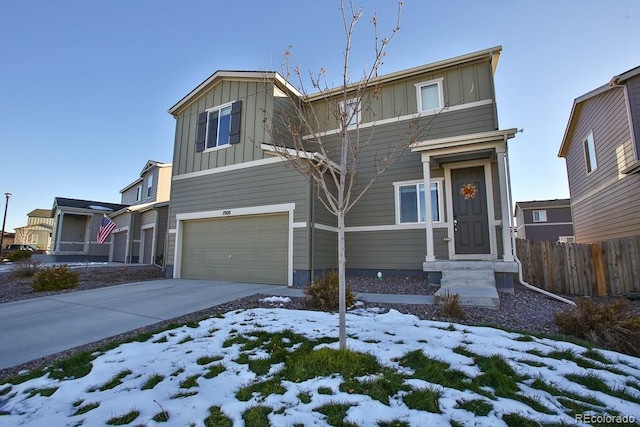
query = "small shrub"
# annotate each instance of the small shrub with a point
(19, 256)
(324, 293)
(609, 325)
(449, 306)
(55, 279)
(25, 268)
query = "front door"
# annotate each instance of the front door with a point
(471, 223)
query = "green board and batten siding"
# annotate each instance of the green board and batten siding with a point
(256, 97)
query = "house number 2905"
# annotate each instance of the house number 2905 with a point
(226, 212)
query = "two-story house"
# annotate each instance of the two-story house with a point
(239, 212)
(544, 220)
(601, 147)
(38, 229)
(141, 227)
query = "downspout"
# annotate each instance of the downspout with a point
(513, 239)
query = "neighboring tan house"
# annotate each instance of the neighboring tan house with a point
(75, 229)
(38, 229)
(141, 227)
(238, 212)
(544, 220)
(601, 147)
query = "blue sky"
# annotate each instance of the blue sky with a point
(85, 85)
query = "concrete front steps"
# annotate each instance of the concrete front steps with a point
(473, 281)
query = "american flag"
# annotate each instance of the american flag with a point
(105, 230)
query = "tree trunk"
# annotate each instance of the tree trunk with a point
(342, 301)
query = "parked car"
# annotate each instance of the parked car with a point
(18, 247)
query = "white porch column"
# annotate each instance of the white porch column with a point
(58, 232)
(507, 250)
(426, 170)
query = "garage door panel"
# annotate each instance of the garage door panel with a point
(248, 249)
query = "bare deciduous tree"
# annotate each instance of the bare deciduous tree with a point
(334, 166)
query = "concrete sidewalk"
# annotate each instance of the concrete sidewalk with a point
(38, 327)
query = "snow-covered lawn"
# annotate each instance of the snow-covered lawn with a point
(194, 373)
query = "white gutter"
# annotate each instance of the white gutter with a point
(513, 241)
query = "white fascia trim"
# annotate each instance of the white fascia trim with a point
(546, 224)
(230, 213)
(406, 117)
(292, 152)
(386, 227)
(496, 136)
(237, 166)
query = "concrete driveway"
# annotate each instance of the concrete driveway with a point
(38, 327)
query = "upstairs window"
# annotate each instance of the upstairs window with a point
(411, 203)
(149, 185)
(590, 153)
(219, 127)
(352, 111)
(138, 193)
(539, 216)
(430, 95)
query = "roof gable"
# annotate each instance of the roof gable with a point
(576, 108)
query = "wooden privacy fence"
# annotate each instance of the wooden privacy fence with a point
(595, 269)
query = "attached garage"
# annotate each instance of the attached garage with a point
(253, 248)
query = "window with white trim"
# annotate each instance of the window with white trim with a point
(352, 111)
(566, 239)
(411, 203)
(138, 193)
(149, 185)
(430, 95)
(219, 127)
(590, 153)
(540, 216)
(33, 238)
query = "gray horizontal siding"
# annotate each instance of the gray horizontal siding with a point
(633, 87)
(257, 186)
(601, 202)
(325, 249)
(301, 249)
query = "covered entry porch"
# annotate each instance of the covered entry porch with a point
(479, 241)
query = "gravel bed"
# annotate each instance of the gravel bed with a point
(524, 310)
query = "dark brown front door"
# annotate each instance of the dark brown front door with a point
(471, 223)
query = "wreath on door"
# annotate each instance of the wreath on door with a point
(469, 191)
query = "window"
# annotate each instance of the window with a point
(539, 216)
(353, 112)
(590, 153)
(138, 193)
(430, 95)
(33, 238)
(411, 203)
(566, 239)
(149, 185)
(219, 127)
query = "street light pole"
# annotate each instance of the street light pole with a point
(4, 221)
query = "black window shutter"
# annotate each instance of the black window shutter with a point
(234, 132)
(202, 131)
(212, 138)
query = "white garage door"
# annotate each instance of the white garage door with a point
(243, 249)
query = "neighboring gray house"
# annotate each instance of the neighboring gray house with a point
(544, 220)
(239, 213)
(75, 229)
(601, 146)
(141, 227)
